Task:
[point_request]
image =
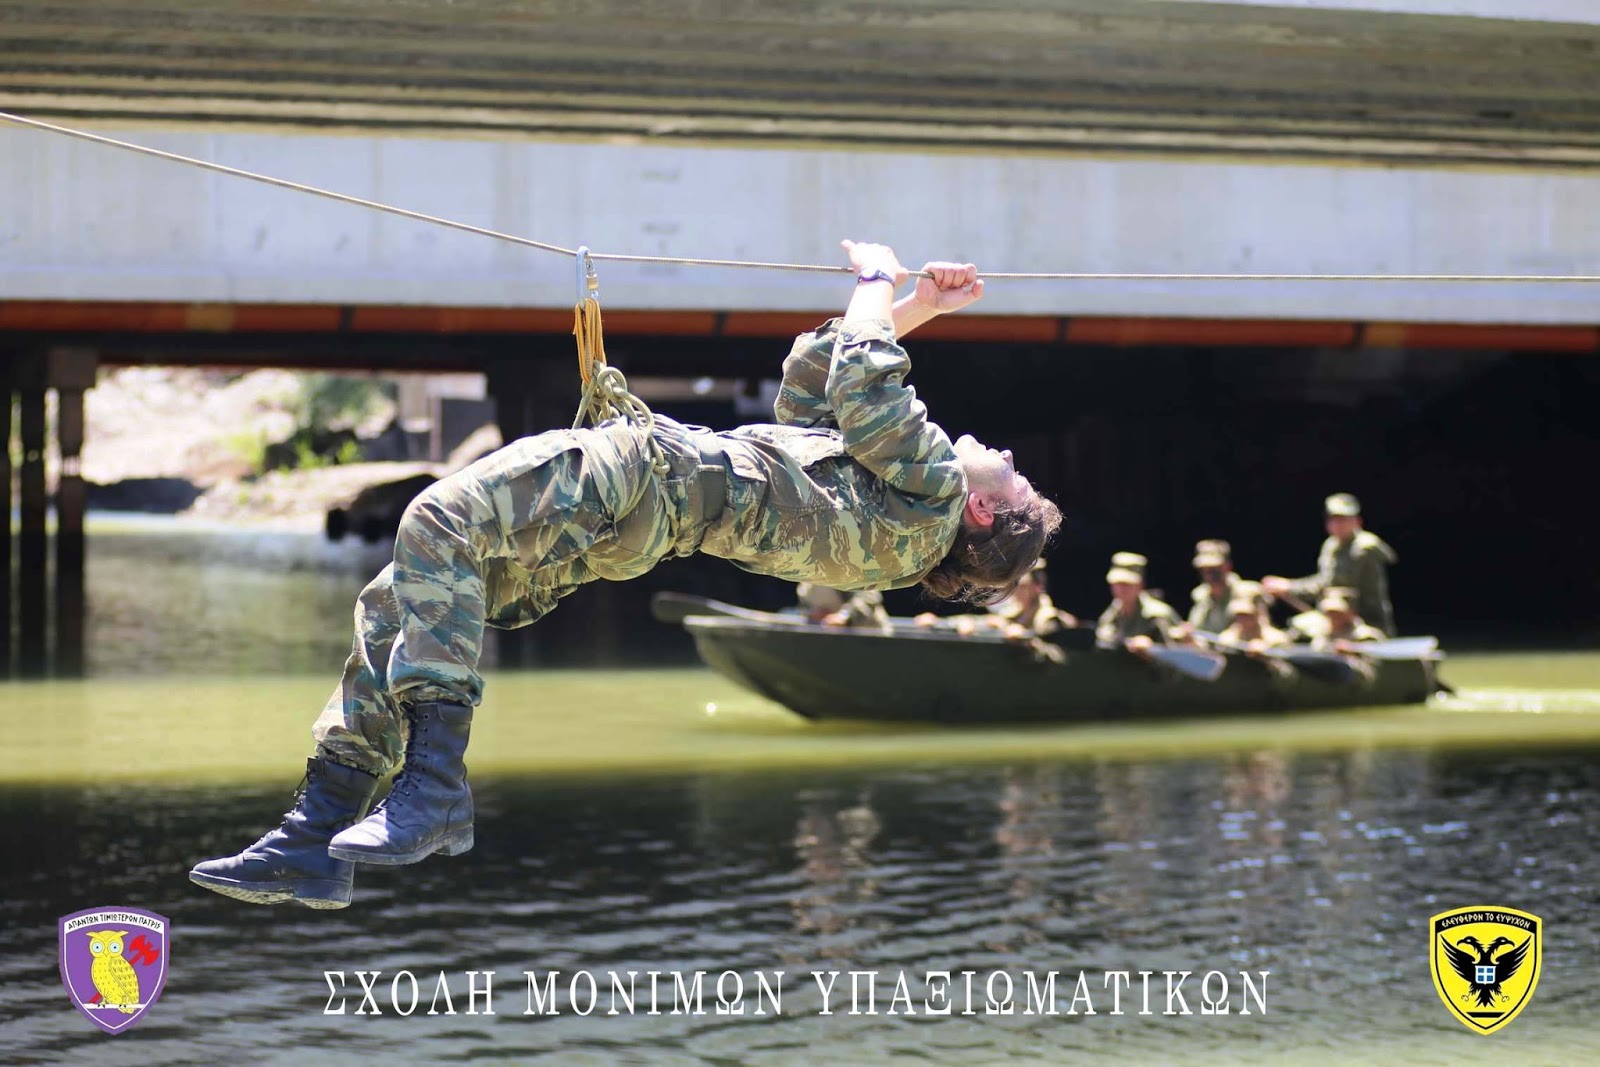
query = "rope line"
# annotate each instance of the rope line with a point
(687, 261)
(284, 183)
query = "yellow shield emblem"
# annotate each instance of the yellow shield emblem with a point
(1486, 961)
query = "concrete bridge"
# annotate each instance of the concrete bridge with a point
(1296, 136)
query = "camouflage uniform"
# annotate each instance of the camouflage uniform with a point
(1361, 563)
(855, 489)
(1154, 620)
(1208, 613)
(1046, 618)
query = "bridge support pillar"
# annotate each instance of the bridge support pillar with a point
(34, 375)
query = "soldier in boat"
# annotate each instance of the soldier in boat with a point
(1248, 628)
(1219, 586)
(827, 606)
(1336, 625)
(1029, 606)
(1353, 558)
(1135, 619)
(1027, 612)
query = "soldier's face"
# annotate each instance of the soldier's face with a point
(1343, 527)
(1125, 593)
(991, 473)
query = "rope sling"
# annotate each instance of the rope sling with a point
(605, 390)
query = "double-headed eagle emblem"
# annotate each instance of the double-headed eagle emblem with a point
(1486, 963)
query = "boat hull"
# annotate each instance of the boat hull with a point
(932, 676)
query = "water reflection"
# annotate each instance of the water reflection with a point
(838, 877)
(1321, 869)
(168, 597)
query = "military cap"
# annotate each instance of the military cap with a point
(1212, 553)
(1337, 599)
(1342, 504)
(1124, 575)
(1243, 605)
(1132, 561)
(1038, 565)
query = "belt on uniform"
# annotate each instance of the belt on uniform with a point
(711, 478)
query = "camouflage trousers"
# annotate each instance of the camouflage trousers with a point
(495, 544)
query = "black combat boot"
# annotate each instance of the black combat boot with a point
(429, 809)
(291, 862)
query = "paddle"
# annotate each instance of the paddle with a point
(1193, 662)
(1398, 647)
(1388, 648)
(1391, 648)
(675, 607)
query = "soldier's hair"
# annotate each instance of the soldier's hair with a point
(984, 566)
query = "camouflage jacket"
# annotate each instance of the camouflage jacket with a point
(1210, 614)
(1046, 617)
(1154, 619)
(1361, 563)
(854, 489)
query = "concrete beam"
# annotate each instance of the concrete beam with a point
(83, 222)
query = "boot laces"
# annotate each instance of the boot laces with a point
(406, 781)
(300, 791)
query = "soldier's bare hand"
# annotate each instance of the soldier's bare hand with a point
(865, 256)
(952, 287)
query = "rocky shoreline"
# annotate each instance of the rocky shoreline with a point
(223, 447)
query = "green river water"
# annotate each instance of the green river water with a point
(664, 819)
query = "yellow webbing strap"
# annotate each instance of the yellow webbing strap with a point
(605, 391)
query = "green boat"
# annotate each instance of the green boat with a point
(915, 674)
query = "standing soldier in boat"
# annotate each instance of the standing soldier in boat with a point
(1135, 619)
(1210, 610)
(1352, 558)
(835, 607)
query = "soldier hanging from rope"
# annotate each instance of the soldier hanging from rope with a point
(855, 488)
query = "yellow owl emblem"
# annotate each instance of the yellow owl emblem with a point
(113, 976)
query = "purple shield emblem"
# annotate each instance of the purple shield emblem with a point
(114, 963)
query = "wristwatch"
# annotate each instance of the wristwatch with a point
(874, 275)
